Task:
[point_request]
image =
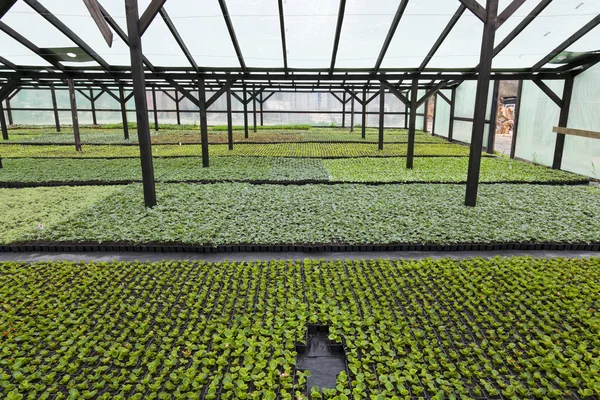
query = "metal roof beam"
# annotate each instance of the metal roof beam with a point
(178, 38)
(390, 34)
(459, 12)
(25, 42)
(149, 15)
(64, 29)
(338, 32)
(564, 45)
(508, 12)
(234, 41)
(282, 29)
(478, 10)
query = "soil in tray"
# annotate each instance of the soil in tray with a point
(323, 359)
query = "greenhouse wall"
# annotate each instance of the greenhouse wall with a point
(465, 108)
(442, 114)
(539, 114)
(582, 155)
(327, 109)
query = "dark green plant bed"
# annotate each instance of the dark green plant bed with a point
(264, 215)
(502, 328)
(305, 150)
(259, 170)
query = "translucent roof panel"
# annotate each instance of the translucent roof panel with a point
(462, 46)
(256, 25)
(158, 44)
(34, 28)
(366, 24)
(75, 15)
(18, 54)
(588, 43)
(202, 28)
(554, 25)
(310, 30)
(411, 42)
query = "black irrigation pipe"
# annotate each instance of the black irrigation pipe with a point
(306, 248)
(211, 143)
(300, 182)
(239, 155)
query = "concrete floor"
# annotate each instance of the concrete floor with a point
(502, 144)
(243, 256)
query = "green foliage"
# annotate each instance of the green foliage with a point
(501, 328)
(33, 211)
(331, 150)
(216, 135)
(238, 213)
(443, 169)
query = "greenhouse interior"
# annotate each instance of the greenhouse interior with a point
(285, 199)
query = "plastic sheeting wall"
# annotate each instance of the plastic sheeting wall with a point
(582, 155)
(442, 114)
(322, 103)
(465, 108)
(537, 116)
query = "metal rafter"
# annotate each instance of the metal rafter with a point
(64, 29)
(96, 14)
(282, 29)
(115, 26)
(149, 15)
(459, 12)
(478, 10)
(5, 6)
(177, 37)
(234, 41)
(508, 12)
(564, 45)
(25, 42)
(390, 34)
(521, 26)
(338, 32)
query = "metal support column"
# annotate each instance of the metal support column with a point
(364, 114)
(3, 123)
(9, 112)
(435, 96)
(254, 106)
(513, 143)
(262, 120)
(344, 110)
(229, 118)
(74, 115)
(489, 148)
(410, 150)
(177, 107)
(425, 106)
(124, 112)
(154, 109)
(452, 107)
(562, 122)
(55, 108)
(141, 106)
(203, 121)
(381, 115)
(245, 101)
(483, 84)
(352, 115)
(93, 104)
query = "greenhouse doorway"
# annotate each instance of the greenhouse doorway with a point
(505, 116)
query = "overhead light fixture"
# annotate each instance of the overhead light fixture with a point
(72, 55)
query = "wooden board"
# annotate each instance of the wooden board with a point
(576, 132)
